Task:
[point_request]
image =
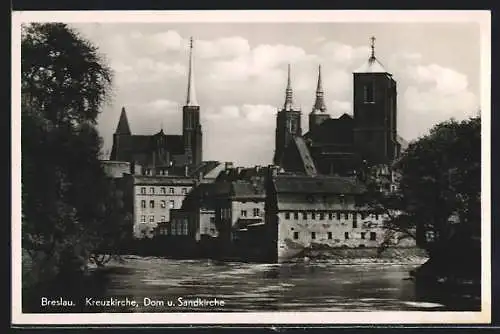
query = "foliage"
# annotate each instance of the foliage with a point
(69, 207)
(439, 181)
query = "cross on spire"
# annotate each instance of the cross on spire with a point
(372, 45)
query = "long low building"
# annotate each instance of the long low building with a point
(308, 211)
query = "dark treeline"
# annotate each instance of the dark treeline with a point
(70, 210)
(438, 199)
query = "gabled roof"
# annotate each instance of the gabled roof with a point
(245, 189)
(123, 127)
(305, 155)
(317, 185)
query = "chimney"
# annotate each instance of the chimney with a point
(257, 168)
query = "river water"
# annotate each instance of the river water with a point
(301, 286)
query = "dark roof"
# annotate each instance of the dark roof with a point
(204, 168)
(337, 131)
(200, 196)
(245, 189)
(305, 155)
(123, 127)
(317, 185)
(140, 148)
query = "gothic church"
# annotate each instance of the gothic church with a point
(161, 153)
(338, 146)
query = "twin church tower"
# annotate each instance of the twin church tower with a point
(338, 146)
(331, 146)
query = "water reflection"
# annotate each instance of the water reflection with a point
(320, 286)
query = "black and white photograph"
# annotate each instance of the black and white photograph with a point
(258, 167)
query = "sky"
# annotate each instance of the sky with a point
(240, 76)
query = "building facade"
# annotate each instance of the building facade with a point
(309, 211)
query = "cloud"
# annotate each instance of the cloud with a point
(342, 53)
(146, 70)
(243, 134)
(222, 47)
(257, 62)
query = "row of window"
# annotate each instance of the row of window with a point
(373, 235)
(226, 213)
(163, 204)
(338, 215)
(163, 190)
(152, 219)
(148, 171)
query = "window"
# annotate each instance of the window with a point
(346, 215)
(170, 190)
(363, 215)
(163, 204)
(163, 190)
(143, 219)
(295, 235)
(162, 219)
(184, 227)
(151, 204)
(287, 215)
(342, 200)
(151, 219)
(313, 215)
(143, 204)
(171, 204)
(152, 190)
(363, 235)
(256, 212)
(304, 215)
(174, 228)
(330, 215)
(143, 190)
(354, 224)
(346, 235)
(296, 215)
(376, 216)
(243, 213)
(321, 216)
(338, 215)
(313, 235)
(330, 236)
(373, 236)
(369, 93)
(212, 220)
(184, 191)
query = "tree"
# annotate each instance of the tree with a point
(64, 189)
(439, 191)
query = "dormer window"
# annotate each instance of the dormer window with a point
(369, 93)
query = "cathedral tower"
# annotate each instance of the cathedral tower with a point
(191, 126)
(375, 112)
(287, 123)
(318, 114)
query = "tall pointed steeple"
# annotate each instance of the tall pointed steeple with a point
(191, 93)
(289, 92)
(123, 128)
(319, 104)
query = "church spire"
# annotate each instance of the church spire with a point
(289, 92)
(319, 104)
(123, 128)
(372, 46)
(191, 93)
